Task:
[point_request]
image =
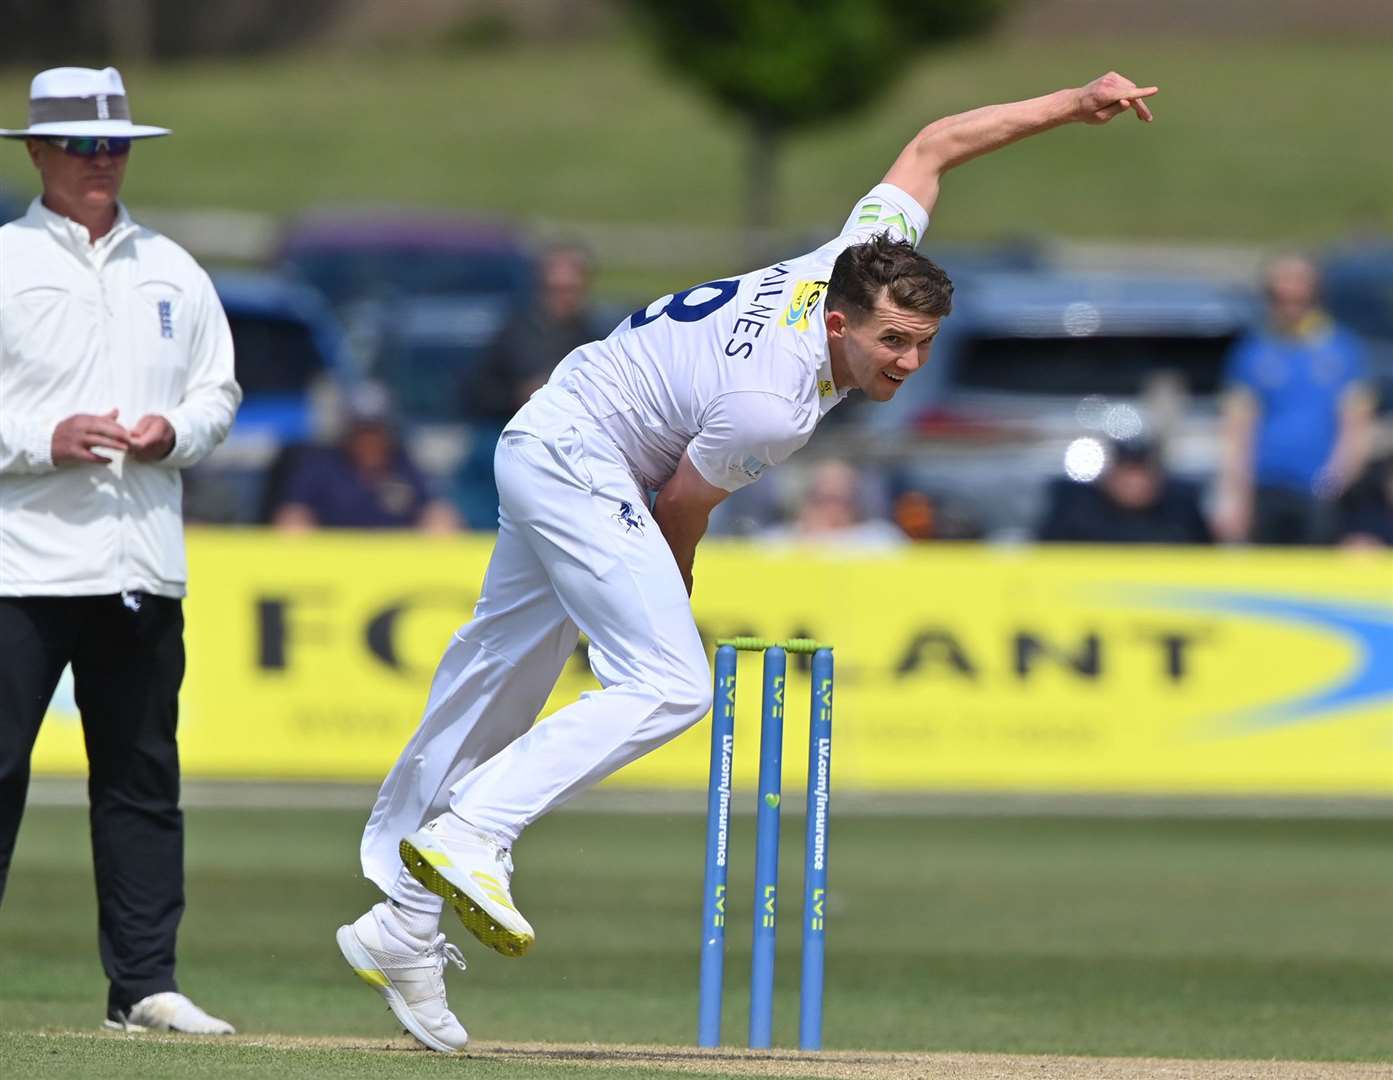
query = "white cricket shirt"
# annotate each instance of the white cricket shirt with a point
(132, 323)
(734, 372)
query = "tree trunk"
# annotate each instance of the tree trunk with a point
(764, 142)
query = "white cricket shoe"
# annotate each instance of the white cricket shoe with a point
(169, 1011)
(472, 871)
(413, 983)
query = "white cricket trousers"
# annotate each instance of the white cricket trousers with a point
(577, 548)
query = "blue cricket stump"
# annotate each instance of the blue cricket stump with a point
(815, 854)
(766, 905)
(767, 841)
(713, 904)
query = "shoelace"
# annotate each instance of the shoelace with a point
(501, 855)
(442, 950)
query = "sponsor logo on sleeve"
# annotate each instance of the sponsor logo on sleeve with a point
(872, 212)
(806, 296)
(752, 466)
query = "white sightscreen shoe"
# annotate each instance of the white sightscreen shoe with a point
(471, 871)
(413, 984)
(169, 1011)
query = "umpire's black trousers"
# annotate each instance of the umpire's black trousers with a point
(127, 656)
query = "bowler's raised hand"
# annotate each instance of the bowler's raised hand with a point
(1111, 94)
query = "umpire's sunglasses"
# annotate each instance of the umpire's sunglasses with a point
(88, 146)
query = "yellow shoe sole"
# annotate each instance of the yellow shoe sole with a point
(475, 919)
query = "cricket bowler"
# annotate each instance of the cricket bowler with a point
(691, 398)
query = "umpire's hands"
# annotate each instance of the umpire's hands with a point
(152, 438)
(1112, 94)
(75, 437)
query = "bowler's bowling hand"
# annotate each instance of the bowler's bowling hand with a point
(75, 438)
(1111, 94)
(152, 438)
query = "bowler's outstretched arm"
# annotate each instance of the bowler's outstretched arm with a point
(948, 143)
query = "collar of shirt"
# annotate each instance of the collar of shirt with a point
(828, 392)
(1312, 327)
(77, 239)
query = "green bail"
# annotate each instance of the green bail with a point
(755, 644)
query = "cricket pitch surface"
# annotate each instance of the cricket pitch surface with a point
(851, 1064)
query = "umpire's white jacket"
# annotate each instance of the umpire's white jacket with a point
(130, 323)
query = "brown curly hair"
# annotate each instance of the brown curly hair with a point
(883, 264)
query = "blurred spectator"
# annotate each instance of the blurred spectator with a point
(520, 359)
(367, 481)
(1133, 501)
(835, 508)
(916, 514)
(536, 339)
(1366, 513)
(922, 515)
(1297, 418)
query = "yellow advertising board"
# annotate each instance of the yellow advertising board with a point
(957, 668)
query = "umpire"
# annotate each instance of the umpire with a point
(115, 373)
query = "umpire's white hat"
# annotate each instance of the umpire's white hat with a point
(78, 102)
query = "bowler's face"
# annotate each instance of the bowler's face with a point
(78, 185)
(877, 354)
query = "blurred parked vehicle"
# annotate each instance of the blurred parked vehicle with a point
(290, 351)
(1029, 365)
(421, 295)
(287, 340)
(1357, 289)
(352, 256)
(428, 348)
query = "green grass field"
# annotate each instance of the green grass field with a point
(1200, 939)
(1266, 141)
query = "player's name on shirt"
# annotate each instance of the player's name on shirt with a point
(753, 319)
